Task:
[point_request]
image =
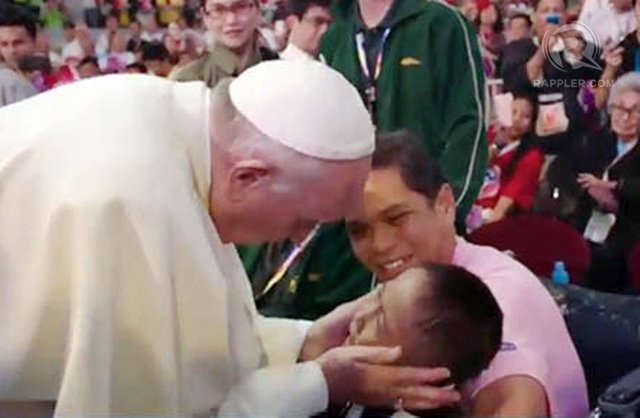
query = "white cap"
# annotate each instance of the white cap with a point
(306, 106)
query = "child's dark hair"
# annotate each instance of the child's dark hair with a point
(527, 142)
(466, 331)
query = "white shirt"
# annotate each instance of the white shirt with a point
(13, 87)
(73, 51)
(608, 24)
(292, 52)
(118, 297)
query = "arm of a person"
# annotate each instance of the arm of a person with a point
(534, 66)
(628, 192)
(297, 390)
(464, 155)
(501, 209)
(523, 181)
(511, 396)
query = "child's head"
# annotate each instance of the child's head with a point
(439, 315)
(523, 115)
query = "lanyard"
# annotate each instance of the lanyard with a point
(370, 79)
(605, 176)
(286, 265)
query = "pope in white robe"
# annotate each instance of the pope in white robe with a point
(117, 294)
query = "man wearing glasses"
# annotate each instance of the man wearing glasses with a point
(237, 44)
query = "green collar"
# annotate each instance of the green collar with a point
(229, 62)
(400, 10)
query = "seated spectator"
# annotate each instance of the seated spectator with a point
(441, 316)
(72, 52)
(43, 48)
(104, 40)
(92, 14)
(118, 57)
(490, 27)
(518, 27)
(88, 67)
(135, 42)
(51, 16)
(611, 179)
(556, 79)
(512, 177)
(408, 219)
(156, 58)
(17, 41)
(135, 68)
(152, 32)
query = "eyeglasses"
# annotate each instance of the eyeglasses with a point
(218, 11)
(627, 112)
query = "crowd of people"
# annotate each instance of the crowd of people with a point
(450, 116)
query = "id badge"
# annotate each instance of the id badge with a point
(552, 119)
(599, 226)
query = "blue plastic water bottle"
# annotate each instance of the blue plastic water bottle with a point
(559, 274)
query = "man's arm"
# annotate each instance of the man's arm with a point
(511, 396)
(464, 156)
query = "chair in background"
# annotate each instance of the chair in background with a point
(537, 242)
(633, 267)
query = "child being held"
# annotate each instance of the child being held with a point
(441, 316)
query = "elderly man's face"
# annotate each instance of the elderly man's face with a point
(15, 44)
(278, 207)
(625, 115)
(400, 228)
(233, 22)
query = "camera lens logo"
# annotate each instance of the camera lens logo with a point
(572, 36)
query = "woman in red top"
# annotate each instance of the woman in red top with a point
(515, 169)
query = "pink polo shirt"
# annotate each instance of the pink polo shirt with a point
(535, 340)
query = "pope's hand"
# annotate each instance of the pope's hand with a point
(367, 376)
(332, 329)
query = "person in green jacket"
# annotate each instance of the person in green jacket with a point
(417, 66)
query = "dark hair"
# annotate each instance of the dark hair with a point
(300, 7)
(137, 66)
(520, 15)
(35, 63)
(88, 60)
(466, 332)
(535, 3)
(527, 142)
(154, 51)
(498, 26)
(14, 15)
(403, 150)
(68, 24)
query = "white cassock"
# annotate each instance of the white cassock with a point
(117, 296)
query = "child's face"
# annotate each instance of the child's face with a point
(522, 118)
(394, 316)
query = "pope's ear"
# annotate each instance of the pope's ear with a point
(247, 176)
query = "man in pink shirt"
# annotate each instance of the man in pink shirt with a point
(409, 219)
